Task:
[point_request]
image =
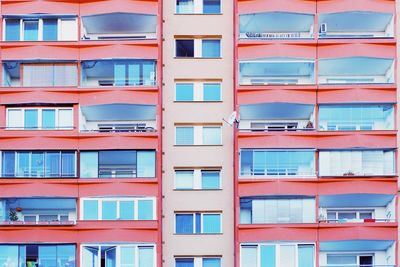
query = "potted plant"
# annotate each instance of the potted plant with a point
(12, 215)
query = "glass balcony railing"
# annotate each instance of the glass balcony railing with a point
(118, 72)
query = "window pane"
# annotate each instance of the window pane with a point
(68, 164)
(212, 92)
(90, 256)
(145, 211)
(111, 257)
(8, 255)
(248, 256)
(146, 164)
(184, 179)
(65, 75)
(306, 256)
(184, 48)
(66, 255)
(14, 118)
(31, 119)
(211, 135)
(117, 163)
(184, 6)
(31, 30)
(288, 256)
(211, 48)
(49, 29)
(109, 210)
(184, 136)
(210, 180)
(8, 164)
(211, 6)
(268, 256)
(52, 164)
(120, 74)
(37, 164)
(23, 168)
(127, 257)
(146, 257)
(65, 120)
(342, 259)
(126, 210)
(184, 223)
(89, 165)
(12, 29)
(184, 92)
(211, 262)
(211, 223)
(48, 118)
(90, 210)
(48, 256)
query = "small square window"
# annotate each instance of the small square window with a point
(12, 29)
(211, 48)
(212, 92)
(212, 6)
(211, 135)
(184, 48)
(184, 6)
(31, 30)
(184, 179)
(184, 136)
(210, 180)
(184, 92)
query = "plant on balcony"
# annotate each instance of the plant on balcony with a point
(349, 173)
(13, 215)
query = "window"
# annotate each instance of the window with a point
(198, 91)
(31, 254)
(118, 255)
(198, 48)
(348, 215)
(38, 164)
(198, 135)
(118, 164)
(277, 255)
(294, 209)
(198, 223)
(356, 117)
(350, 259)
(41, 29)
(39, 119)
(198, 261)
(259, 162)
(197, 179)
(198, 6)
(356, 162)
(118, 209)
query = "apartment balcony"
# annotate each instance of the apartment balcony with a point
(117, 118)
(357, 163)
(358, 253)
(276, 25)
(356, 70)
(357, 208)
(356, 24)
(40, 74)
(276, 71)
(119, 26)
(118, 73)
(358, 117)
(277, 163)
(38, 211)
(276, 117)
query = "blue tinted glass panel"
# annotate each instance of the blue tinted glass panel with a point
(126, 210)
(119, 74)
(184, 6)
(211, 223)
(90, 210)
(12, 29)
(184, 92)
(198, 223)
(23, 164)
(52, 164)
(48, 256)
(31, 119)
(267, 256)
(109, 210)
(210, 180)
(211, 48)
(212, 92)
(145, 211)
(8, 255)
(184, 223)
(212, 135)
(184, 135)
(68, 164)
(37, 164)
(31, 30)
(184, 48)
(89, 164)
(50, 29)
(184, 262)
(146, 257)
(8, 164)
(306, 256)
(48, 119)
(211, 262)
(212, 6)
(146, 164)
(66, 255)
(127, 256)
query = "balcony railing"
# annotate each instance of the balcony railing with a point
(355, 220)
(116, 128)
(117, 173)
(41, 223)
(356, 265)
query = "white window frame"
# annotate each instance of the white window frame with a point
(198, 91)
(201, 222)
(37, 216)
(198, 134)
(197, 8)
(198, 261)
(352, 253)
(118, 200)
(136, 246)
(277, 251)
(40, 111)
(356, 211)
(40, 29)
(197, 178)
(198, 47)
